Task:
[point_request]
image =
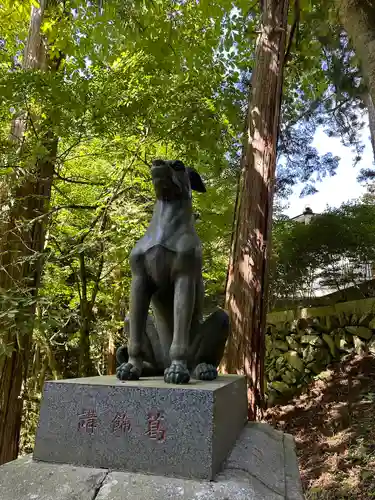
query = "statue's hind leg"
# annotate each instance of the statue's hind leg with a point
(210, 345)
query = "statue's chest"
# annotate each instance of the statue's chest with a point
(159, 264)
(163, 266)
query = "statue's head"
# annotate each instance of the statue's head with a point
(173, 181)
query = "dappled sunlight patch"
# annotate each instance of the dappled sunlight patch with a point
(325, 375)
(339, 442)
(325, 481)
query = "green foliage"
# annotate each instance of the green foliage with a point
(331, 250)
(323, 87)
(135, 81)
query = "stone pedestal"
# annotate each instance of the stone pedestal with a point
(142, 426)
(261, 466)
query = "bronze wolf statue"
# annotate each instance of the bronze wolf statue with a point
(166, 266)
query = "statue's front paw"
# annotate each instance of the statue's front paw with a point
(177, 373)
(128, 371)
(204, 371)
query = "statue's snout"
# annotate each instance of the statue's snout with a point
(160, 169)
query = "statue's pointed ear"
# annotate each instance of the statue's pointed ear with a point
(196, 182)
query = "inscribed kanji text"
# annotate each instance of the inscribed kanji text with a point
(87, 421)
(155, 428)
(121, 423)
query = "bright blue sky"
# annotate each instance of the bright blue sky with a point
(343, 186)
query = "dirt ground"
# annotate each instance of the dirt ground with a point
(333, 423)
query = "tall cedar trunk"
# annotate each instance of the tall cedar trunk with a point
(20, 262)
(358, 19)
(246, 291)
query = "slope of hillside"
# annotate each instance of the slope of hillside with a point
(333, 423)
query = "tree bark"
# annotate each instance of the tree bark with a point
(111, 355)
(358, 19)
(23, 235)
(371, 119)
(117, 316)
(246, 291)
(85, 365)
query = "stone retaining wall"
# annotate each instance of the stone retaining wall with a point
(358, 307)
(299, 350)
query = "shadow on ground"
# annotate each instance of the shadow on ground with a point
(333, 423)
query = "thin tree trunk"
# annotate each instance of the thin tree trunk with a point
(111, 355)
(117, 316)
(246, 292)
(85, 364)
(371, 118)
(20, 257)
(358, 19)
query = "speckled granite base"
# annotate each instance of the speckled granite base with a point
(143, 426)
(262, 466)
